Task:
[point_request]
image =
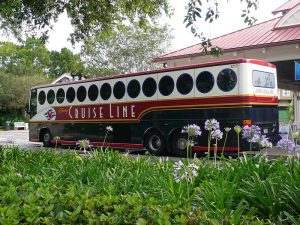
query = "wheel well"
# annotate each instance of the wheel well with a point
(172, 132)
(148, 131)
(42, 131)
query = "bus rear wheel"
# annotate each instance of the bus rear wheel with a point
(155, 143)
(47, 138)
(179, 144)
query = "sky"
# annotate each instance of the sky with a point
(230, 20)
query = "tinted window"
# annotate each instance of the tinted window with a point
(226, 80)
(205, 82)
(105, 91)
(119, 90)
(42, 97)
(81, 93)
(184, 83)
(60, 95)
(93, 92)
(149, 87)
(33, 102)
(70, 94)
(263, 79)
(50, 96)
(133, 88)
(166, 85)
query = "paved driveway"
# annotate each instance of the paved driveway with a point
(18, 137)
(21, 138)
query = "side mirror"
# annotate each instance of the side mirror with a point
(27, 109)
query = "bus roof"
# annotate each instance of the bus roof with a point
(208, 64)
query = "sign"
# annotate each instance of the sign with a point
(285, 131)
(297, 70)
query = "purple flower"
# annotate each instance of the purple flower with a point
(286, 144)
(264, 142)
(217, 134)
(251, 134)
(211, 124)
(192, 130)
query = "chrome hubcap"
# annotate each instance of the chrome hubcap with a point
(181, 144)
(155, 143)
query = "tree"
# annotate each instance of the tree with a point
(14, 91)
(65, 61)
(91, 16)
(86, 16)
(195, 12)
(129, 49)
(31, 57)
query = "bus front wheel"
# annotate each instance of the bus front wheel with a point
(155, 143)
(47, 138)
(179, 144)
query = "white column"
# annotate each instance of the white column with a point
(296, 101)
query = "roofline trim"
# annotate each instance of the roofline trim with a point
(290, 13)
(224, 35)
(229, 50)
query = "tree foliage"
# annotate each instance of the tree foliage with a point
(65, 61)
(92, 16)
(195, 12)
(31, 57)
(86, 16)
(14, 91)
(28, 64)
(129, 49)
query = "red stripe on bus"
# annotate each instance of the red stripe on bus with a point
(219, 149)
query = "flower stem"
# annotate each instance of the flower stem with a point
(224, 144)
(238, 145)
(208, 144)
(215, 152)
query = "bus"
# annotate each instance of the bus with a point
(147, 110)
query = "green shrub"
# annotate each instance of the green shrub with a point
(50, 187)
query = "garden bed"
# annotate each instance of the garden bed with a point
(49, 187)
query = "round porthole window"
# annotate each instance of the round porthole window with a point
(105, 91)
(70, 94)
(226, 80)
(149, 87)
(119, 90)
(133, 88)
(50, 96)
(81, 93)
(166, 85)
(184, 83)
(42, 97)
(205, 82)
(60, 95)
(93, 92)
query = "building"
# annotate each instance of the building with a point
(276, 41)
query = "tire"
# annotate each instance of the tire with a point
(47, 138)
(155, 143)
(179, 144)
